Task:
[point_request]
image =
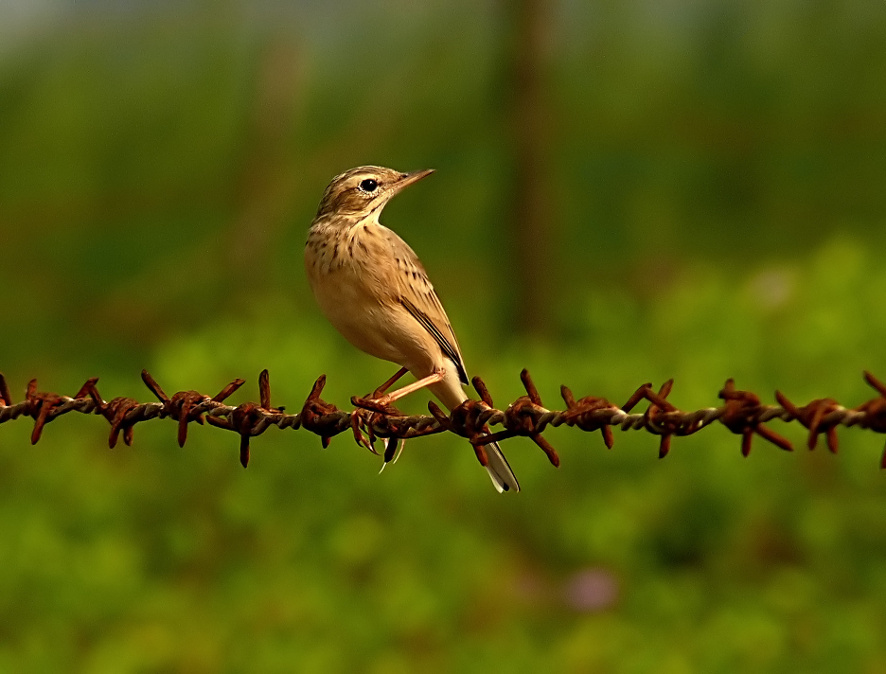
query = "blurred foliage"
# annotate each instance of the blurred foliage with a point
(718, 171)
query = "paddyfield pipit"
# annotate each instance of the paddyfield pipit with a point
(373, 288)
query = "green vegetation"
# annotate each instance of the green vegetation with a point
(718, 173)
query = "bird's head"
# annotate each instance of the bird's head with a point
(364, 191)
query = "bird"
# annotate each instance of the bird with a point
(375, 291)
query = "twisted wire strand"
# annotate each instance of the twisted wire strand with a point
(370, 419)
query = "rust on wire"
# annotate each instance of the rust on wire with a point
(44, 407)
(117, 412)
(661, 417)
(589, 414)
(816, 416)
(742, 412)
(187, 406)
(249, 419)
(744, 415)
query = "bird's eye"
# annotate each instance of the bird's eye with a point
(369, 185)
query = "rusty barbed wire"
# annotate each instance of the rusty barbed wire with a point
(742, 412)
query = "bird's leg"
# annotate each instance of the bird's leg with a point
(418, 385)
(379, 392)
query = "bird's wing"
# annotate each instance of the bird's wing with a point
(419, 298)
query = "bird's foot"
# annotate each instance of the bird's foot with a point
(418, 385)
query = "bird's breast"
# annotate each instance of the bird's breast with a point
(351, 277)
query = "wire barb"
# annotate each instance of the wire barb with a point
(742, 412)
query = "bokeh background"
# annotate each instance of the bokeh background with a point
(625, 192)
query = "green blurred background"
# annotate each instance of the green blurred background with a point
(626, 192)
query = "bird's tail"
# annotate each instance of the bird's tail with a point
(499, 471)
(451, 394)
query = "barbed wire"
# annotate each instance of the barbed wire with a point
(742, 412)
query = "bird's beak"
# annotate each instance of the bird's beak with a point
(408, 178)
